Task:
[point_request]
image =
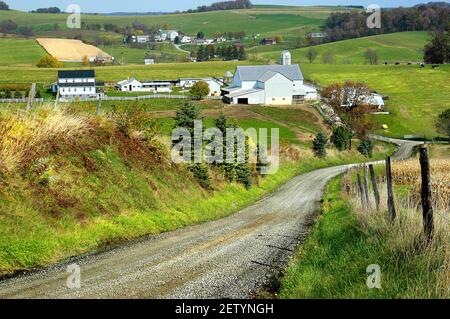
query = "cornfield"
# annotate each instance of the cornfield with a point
(408, 173)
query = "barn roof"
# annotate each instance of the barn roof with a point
(257, 72)
(70, 74)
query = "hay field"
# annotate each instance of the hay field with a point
(70, 50)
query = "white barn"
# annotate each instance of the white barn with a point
(76, 84)
(266, 84)
(133, 85)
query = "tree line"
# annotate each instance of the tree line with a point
(433, 16)
(225, 52)
(224, 5)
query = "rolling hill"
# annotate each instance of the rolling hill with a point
(393, 47)
(278, 19)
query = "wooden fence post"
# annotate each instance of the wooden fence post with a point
(376, 193)
(390, 190)
(361, 192)
(426, 194)
(366, 186)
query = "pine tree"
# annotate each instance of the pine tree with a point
(319, 145)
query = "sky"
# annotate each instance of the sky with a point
(105, 6)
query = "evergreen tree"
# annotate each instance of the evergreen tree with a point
(319, 145)
(341, 138)
(366, 147)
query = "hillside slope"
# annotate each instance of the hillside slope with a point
(393, 47)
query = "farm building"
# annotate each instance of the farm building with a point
(76, 84)
(266, 84)
(169, 35)
(133, 85)
(214, 84)
(269, 41)
(186, 39)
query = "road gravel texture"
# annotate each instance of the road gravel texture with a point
(233, 257)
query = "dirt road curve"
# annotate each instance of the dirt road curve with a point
(227, 258)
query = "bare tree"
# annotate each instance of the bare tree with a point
(328, 57)
(311, 54)
(371, 56)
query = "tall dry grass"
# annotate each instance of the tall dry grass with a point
(26, 136)
(425, 266)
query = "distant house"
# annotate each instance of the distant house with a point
(133, 85)
(214, 84)
(140, 38)
(221, 39)
(148, 61)
(186, 39)
(269, 41)
(203, 41)
(76, 84)
(169, 35)
(316, 35)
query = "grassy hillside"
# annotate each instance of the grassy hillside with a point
(416, 96)
(20, 52)
(257, 20)
(393, 47)
(86, 184)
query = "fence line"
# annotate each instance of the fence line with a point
(21, 100)
(113, 98)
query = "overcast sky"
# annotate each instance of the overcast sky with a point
(103, 6)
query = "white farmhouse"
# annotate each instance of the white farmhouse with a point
(214, 84)
(76, 84)
(266, 84)
(168, 35)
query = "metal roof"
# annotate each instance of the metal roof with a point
(76, 74)
(255, 72)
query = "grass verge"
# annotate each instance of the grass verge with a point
(333, 261)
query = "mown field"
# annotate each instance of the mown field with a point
(416, 96)
(391, 48)
(257, 20)
(19, 52)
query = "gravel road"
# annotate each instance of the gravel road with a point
(229, 258)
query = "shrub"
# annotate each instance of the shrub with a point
(443, 123)
(49, 62)
(200, 89)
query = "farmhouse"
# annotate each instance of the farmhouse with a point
(214, 84)
(168, 35)
(186, 39)
(76, 84)
(133, 85)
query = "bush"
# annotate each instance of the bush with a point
(319, 145)
(49, 62)
(200, 89)
(366, 147)
(134, 121)
(443, 123)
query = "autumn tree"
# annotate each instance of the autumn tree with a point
(85, 61)
(200, 89)
(371, 56)
(48, 61)
(328, 57)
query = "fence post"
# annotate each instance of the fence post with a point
(390, 190)
(376, 193)
(426, 194)
(361, 192)
(366, 186)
